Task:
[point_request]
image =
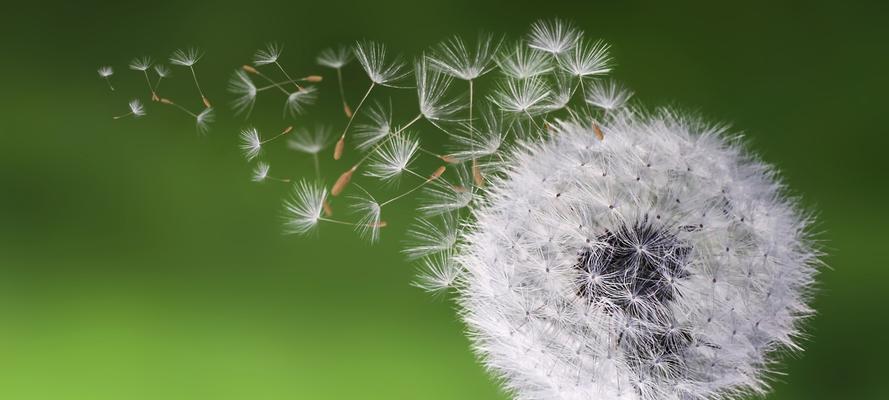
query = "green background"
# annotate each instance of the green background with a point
(137, 261)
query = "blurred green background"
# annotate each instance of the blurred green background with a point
(137, 261)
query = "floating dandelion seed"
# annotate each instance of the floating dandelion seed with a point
(337, 58)
(305, 207)
(379, 68)
(300, 99)
(140, 63)
(251, 143)
(524, 62)
(586, 60)
(524, 97)
(105, 73)
(553, 36)
(188, 58)
(311, 142)
(243, 87)
(136, 110)
(268, 55)
(261, 171)
(204, 119)
(393, 157)
(432, 86)
(368, 134)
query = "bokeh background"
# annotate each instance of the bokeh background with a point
(137, 261)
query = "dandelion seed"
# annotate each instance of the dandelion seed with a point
(268, 55)
(439, 273)
(562, 91)
(337, 58)
(527, 96)
(429, 237)
(188, 58)
(369, 224)
(241, 85)
(310, 141)
(393, 157)
(369, 134)
(136, 110)
(444, 196)
(607, 95)
(304, 208)
(587, 60)
(432, 86)
(162, 72)
(204, 119)
(525, 63)
(372, 57)
(105, 73)
(140, 63)
(251, 143)
(455, 59)
(300, 99)
(481, 142)
(260, 171)
(553, 36)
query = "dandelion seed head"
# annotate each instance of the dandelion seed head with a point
(186, 57)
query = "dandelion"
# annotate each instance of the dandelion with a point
(268, 55)
(553, 36)
(525, 63)
(378, 128)
(337, 58)
(136, 110)
(261, 171)
(105, 73)
(300, 99)
(455, 59)
(370, 211)
(162, 71)
(607, 95)
(440, 273)
(188, 58)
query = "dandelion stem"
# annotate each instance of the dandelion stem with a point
(415, 188)
(109, 83)
(148, 81)
(198, 85)
(185, 110)
(317, 166)
(339, 79)
(289, 79)
(284, 132)
(354, 113)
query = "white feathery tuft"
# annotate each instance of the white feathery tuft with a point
(243, 87)
(432, 87)
(553, 36)
(335, 57)
(393, 157)
(310, 141)
(140, 63)
(524, 62)
(186, 57)
(136, 108)
(251, 143)
(105, 71)
(378, 128)
(260, 171)
(372, 57)
(267, 55)
(454, 58)
(203, 120)
(304, 208)
(607, 95)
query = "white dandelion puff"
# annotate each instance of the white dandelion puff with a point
(608, 95)
(587, 60)
(380, 70)
(260, 171)
(378, 128)
(393, 157)
(454, 57)
(243, 87)
(251, 143)
(675, 275)
(335, 57)
(300, 99)
(268, 55)
(432, 87)
(526, 96)
(140, 63)
(203, 120)
(304, 209)
(553, 36)
(186, 57)
(524, 62)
